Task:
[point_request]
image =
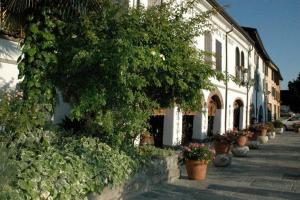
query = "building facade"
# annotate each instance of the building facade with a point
(239, 52)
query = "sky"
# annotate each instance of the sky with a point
(278, 23)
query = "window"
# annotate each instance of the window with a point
(218, 55)
(237, 63)
(257, 61)
(267, 87)
(273, 75)
(273, 91)
(266, 70)
(242, 59)
(208, 46)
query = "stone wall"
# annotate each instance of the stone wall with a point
(159, 171)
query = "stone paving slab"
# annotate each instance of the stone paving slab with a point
(270, 173)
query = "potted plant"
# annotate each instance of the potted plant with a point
(262, 130)
(271, 130)
(296, 127)
(278, 126)
(241, 138)
(196, 157)
(222, 143)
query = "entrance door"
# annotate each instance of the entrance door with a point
(187, 129)
(156, 129)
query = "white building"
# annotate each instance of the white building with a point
(231, 105)
(9, 54)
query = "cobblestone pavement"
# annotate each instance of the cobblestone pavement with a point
(271, 172)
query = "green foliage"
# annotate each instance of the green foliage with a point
(116, 67)
(54, 166)
(294, 92)
(278, 124)
(16, 116)
(7, 173)
(271, 127)
(39, 54)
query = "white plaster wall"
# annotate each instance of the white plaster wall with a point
(172, 133)
(9, 53)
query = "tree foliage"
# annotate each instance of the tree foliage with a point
(294, 91)
(116, 66)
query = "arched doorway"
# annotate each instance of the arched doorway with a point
(214, 114)
(238, 108)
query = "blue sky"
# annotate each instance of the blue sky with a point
(278, 23)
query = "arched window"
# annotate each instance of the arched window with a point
(237, 57)
(242, 59)
(237, 63)
(208, 46)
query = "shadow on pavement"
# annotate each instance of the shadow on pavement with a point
(256, 191)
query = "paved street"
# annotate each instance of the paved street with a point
(272, 172)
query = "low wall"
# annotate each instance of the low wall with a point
(159, 171)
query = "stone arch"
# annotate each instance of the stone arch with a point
(215, 106)
(216, 96)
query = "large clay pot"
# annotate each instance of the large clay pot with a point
(241, 141)
(196, 169)
(221, 148)
(262, 132)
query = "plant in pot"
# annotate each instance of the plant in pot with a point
(296, 127)
(241, 138)
(196, 157)
(222, 143)
(270, 130)
(262, 130)
(278, 126)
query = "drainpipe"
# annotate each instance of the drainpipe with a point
(248, 87)
(226, 74)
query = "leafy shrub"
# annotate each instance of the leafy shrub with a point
(278, 124)
(7, 173)
(271, 127)
(51, 166)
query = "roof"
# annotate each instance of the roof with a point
(222, 12)
(5, 35)
(253, 33)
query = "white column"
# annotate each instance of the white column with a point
(200, 125)
(218, 125)
(241, 120)
(172, 134)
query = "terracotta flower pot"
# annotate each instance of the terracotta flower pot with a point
(196, 169)
(241, 141)
(263, 132)
(222, 148)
